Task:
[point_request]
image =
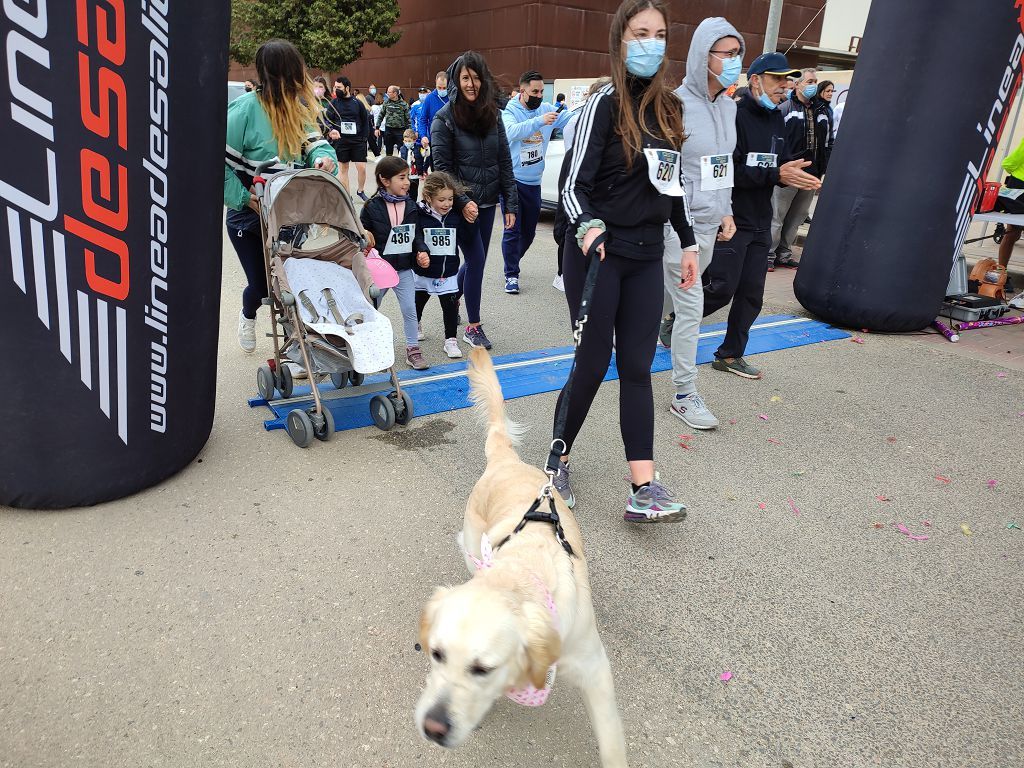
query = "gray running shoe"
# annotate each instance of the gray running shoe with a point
(665, 334)
(737, 366)
(654, 503)
(693, 411)
(475, 337)
(561, 483)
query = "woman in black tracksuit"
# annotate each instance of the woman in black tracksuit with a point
(624, 180)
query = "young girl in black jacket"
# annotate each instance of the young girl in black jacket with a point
(389, 217)
(624, 179)
(438, 228)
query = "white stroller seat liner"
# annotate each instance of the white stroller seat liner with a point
(331, 303)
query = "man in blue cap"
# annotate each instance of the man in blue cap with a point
(762, 162)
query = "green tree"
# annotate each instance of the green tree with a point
(329, 33)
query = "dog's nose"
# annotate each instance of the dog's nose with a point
(436, 724)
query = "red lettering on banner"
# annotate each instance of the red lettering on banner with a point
(115, 289)
(113, 50)
(115, 218)
(109, 84)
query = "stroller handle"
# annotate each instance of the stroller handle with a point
(258, 182)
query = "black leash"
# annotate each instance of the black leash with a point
(558, 444)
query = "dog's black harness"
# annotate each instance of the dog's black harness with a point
(558, 445)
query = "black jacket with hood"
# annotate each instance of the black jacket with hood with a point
(376, 217)
(482, 163)
(762, 131)
(601, 185)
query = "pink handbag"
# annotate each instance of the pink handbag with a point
(383, 274)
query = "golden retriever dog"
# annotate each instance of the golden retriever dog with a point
(527, 616)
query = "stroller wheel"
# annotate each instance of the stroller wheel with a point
(340, 380)
(324, 432)
(403, 408)
(284, 380)
(265, 382)
(382, 411)
(356, 379)
(300, 428)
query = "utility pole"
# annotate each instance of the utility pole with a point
(771, 32)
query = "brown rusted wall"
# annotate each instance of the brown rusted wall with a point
(558, 39)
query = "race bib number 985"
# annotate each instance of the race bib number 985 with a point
(440, 240)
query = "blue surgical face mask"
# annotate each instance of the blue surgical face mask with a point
(373, 91)
(766, 102)
(810, 91)
(644, 57)
(731, 68)
(442, 92)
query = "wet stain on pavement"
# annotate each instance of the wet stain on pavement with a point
(428, 434)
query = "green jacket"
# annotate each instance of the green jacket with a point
(394, 115)
(1014, 163)
(250, 142)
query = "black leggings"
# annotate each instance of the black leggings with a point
(627, 302)
(249, 248)
(449, 311)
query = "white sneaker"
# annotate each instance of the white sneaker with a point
(246, 333)
(693, 411)
(298, 372)
(420, 335)
(451, 348)
(1017, 302)
(558, 283)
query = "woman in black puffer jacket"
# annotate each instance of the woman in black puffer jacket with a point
(468, 141)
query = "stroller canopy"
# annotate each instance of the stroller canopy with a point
(308, 197)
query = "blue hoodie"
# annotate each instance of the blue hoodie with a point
(527, 135)
(432, 103)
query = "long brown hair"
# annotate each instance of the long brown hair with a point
(668, 109)
(286, 93)
(478, 116)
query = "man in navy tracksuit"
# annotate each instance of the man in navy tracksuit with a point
(762, 162)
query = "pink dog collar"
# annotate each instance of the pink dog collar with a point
(527, 696)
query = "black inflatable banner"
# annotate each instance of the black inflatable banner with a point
(933, 86)
(112, 123)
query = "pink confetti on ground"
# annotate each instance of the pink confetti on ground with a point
(773, 441)
(890, 440)
(736, 421)
(906, 532)
(992, 484)
(686, 437)
(762, 416)
(725, 677)
(1001, 375)
(943, 479)
(879, 525)
(883, 498)
(857, 340)
(762, 506)
(792, 506)
(1020, 413)
(927, 522)
(686, 447)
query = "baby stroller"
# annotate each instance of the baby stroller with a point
(321, 302)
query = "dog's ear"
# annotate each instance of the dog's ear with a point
(543, 643)
(427, 616)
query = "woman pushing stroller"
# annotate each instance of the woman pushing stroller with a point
(276, 122)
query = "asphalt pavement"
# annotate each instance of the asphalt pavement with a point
(261, 607)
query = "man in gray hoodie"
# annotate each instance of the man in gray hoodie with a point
(709, 115)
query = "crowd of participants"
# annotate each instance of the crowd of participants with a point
(688, 194)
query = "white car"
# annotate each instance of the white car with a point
(549, 181)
